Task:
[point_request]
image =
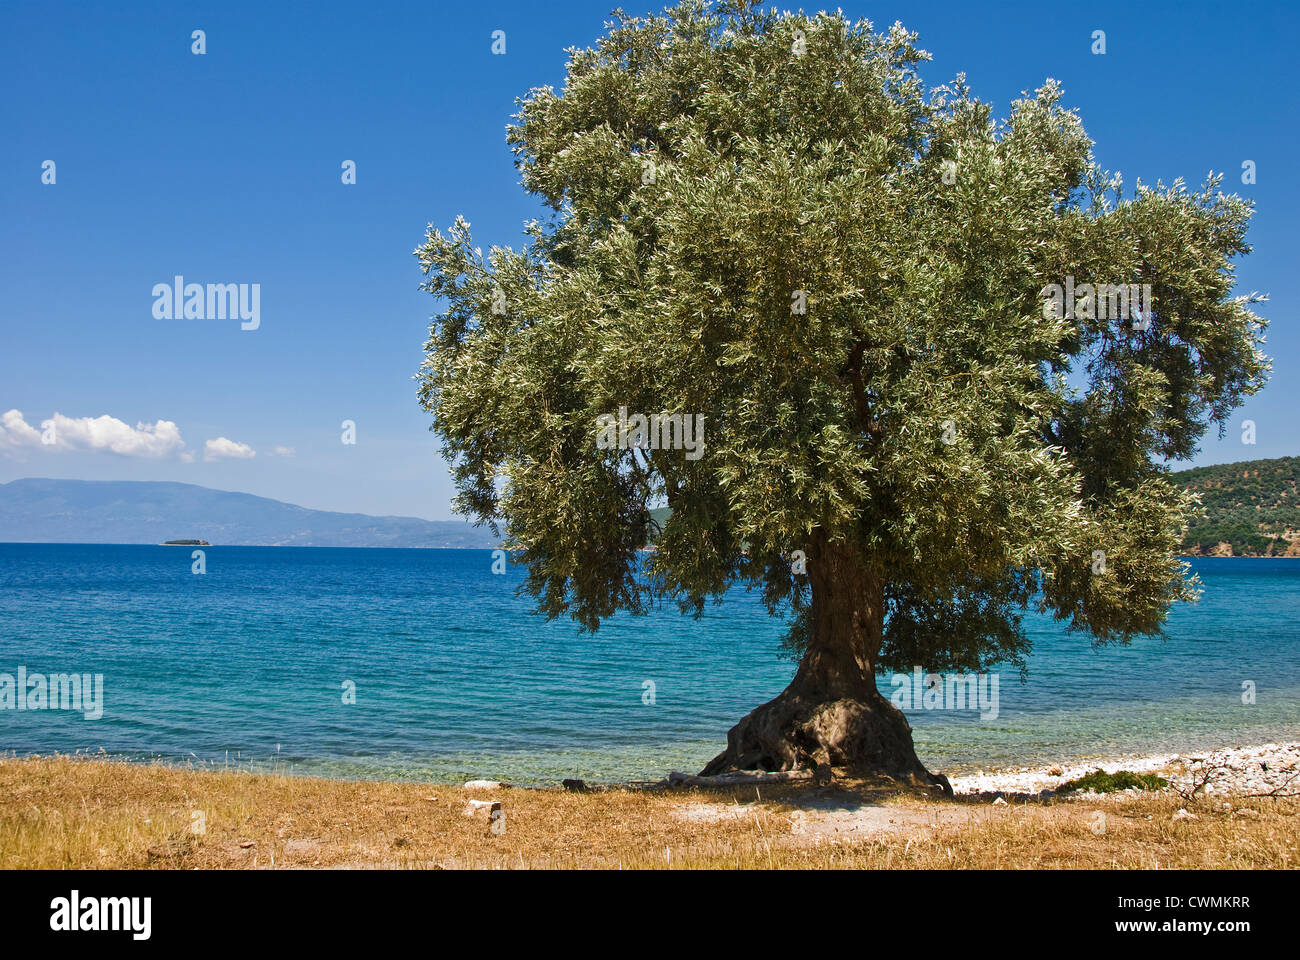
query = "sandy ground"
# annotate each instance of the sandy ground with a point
(815, 819)
(835, 816)
(81, 813)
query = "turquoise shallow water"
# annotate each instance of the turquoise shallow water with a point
(456, 678)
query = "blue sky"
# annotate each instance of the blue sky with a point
(225, 168)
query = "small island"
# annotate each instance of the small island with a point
(185, 543)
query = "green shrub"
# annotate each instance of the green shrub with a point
(1099, 781)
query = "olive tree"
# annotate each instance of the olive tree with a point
(942, 360)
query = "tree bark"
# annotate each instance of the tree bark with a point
(832, 713)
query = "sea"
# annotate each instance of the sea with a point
(427, 665)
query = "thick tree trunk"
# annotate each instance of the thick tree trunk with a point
(832, 713)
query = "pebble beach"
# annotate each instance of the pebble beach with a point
(1257, 770)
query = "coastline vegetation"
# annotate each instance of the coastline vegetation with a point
(1099, 781)
(1251, 508)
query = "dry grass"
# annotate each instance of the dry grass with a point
(71, 813)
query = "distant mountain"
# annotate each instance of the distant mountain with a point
(1252, 508)
(128, 511)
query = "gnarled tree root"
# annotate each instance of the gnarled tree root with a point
(866, 734)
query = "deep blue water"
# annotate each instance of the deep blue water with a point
(455, 677)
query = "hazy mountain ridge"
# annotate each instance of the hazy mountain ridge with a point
(38, 510)
(1252, 509)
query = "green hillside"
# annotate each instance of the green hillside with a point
(1252, 506)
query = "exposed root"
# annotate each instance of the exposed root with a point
(867, 735)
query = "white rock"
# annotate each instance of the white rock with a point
(474, 806)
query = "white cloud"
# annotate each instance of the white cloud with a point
(80, 434)
(158, 440)
(283, 452)
(16, 432)
(222, 448)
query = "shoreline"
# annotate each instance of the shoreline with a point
(1253, 769)
(1232, 770)
(489, 547)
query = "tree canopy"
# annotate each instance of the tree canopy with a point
(769, 220)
